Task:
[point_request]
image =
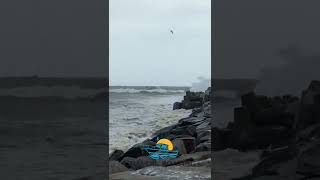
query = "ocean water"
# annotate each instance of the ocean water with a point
(137, 112)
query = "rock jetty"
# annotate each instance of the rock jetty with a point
(280, 134)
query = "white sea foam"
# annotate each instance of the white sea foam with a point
(134, 117)
(132, 90)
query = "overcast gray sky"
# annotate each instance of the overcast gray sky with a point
(53, 38)
(144, 52)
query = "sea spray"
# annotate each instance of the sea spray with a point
(202, 85)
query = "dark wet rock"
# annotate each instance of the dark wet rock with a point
(164, 132)
(207, 111)
(206, 146)
(175, 161)
(193, 100)
(115, 167)
(191, 121)
(205, 139)
(187, 159)
(179, 145)
(138, 163)
(207, 95)
(196, 112)
(116, 155)
(198, 156)
(138, 150)
(202, 134)
(177, 105)
(205, 125)
(187, 104)
(185, 130)
(128, 162)
(189, 143)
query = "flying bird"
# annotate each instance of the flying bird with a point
(171, 31)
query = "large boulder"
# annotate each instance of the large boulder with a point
(138, 150)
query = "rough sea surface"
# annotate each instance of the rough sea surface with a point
(43, 137)
(137, 112)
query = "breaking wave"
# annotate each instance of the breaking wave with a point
(158, 90)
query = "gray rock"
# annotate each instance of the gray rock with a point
(138, 150)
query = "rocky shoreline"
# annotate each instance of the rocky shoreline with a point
(276, 138)
(191, 136)
(272, 137)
